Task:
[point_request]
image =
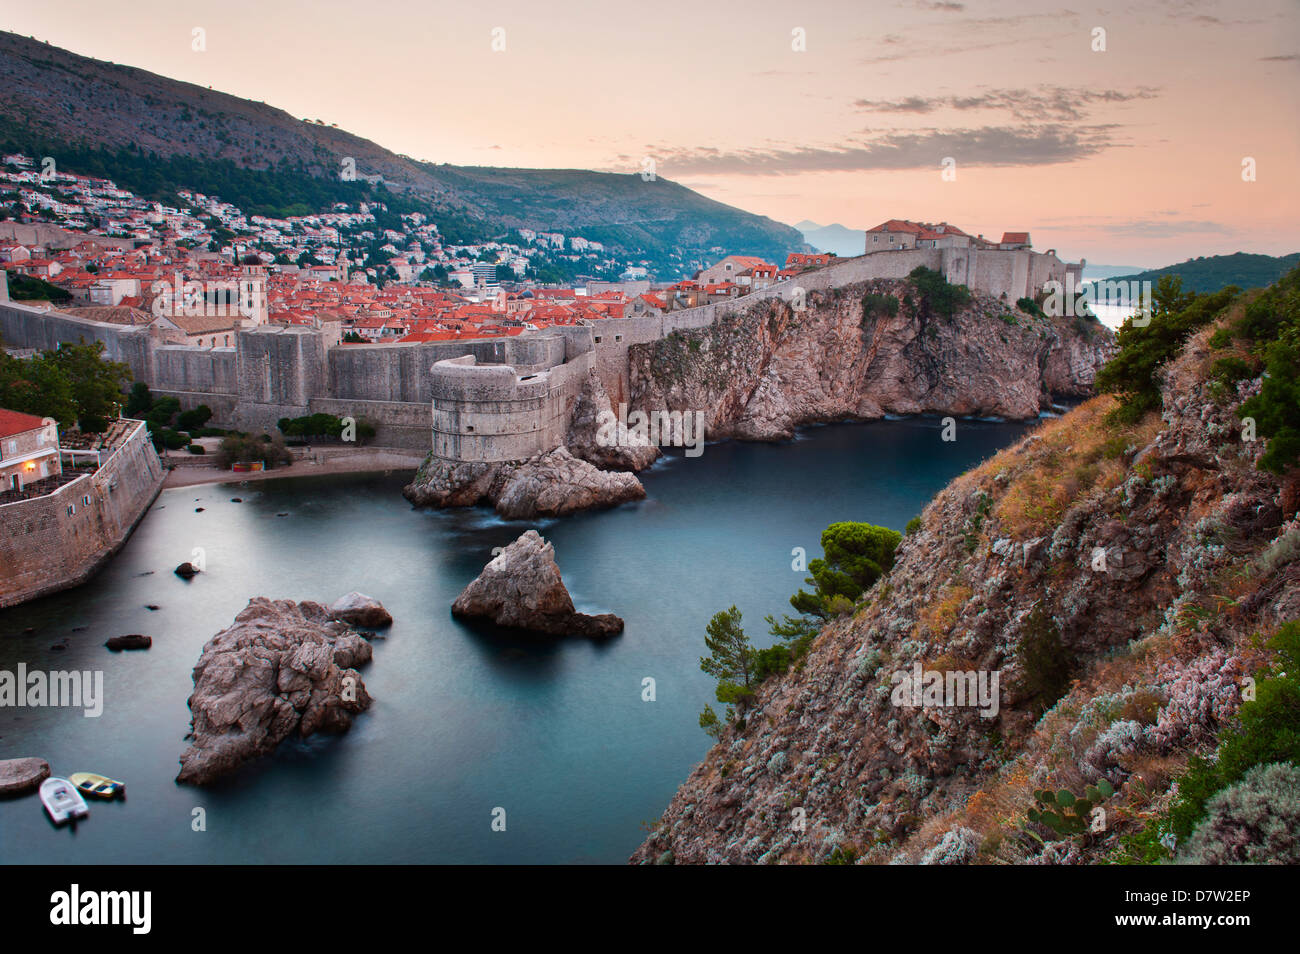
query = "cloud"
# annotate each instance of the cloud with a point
(1285, 58)
(1052, 103)
(1145, 228)
(898, 149)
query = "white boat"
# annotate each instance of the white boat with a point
(62, 800)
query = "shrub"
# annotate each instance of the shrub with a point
(937, 295)
(174, 440)
(245, 449)
(1266, 730)
(195, 418)
(878, 306)
(1131, 374)
(1045, 668)
(1255, 821)
(139, 400)
(1030, 307)
(196, 449)
(913, 526)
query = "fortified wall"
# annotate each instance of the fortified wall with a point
(59, 540)
(510, 394)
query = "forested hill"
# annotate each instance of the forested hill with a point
(1214, 272)
(152, 134)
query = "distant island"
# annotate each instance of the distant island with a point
(1210, 273)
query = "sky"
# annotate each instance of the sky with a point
(1111, 134)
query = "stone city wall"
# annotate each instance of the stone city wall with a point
(59, 540)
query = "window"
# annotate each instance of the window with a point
(618, 337)
(86, 500)
(72, 508)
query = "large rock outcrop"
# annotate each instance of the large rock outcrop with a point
(521, 588)
(1115, 577)
(282, 668)
(764, 371)
(547, 485)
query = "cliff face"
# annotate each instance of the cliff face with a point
(1113, 576)
(769, 369)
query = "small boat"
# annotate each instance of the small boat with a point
(98, 786)
(62, 801)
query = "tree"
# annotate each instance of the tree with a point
(97, 384)
(731, 661)
(938, 296)
(72, 385)
(1144, 348)
(856, 555)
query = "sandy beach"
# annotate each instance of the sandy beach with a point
(360, 461)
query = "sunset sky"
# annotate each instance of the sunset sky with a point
(1129, 156)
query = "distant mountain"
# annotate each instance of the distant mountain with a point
(1213, 272)
(844, 242)
(155, 134)
(1091, 271)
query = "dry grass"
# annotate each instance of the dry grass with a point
(1074, 455)
(941, 613)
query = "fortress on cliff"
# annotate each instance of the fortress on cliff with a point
(486, 400)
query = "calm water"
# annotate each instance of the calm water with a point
(554, 732)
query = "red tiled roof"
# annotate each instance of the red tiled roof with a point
(16, 422)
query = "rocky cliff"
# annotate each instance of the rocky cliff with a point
(850, 354)
(1120, 579)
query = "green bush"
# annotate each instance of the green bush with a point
(938, 297)
(913, 526)
(1030, 307)
(878, 306)
(1132, 374)
(1045, 668)
(1256, 821)
(1266, 730)
(173, 440)
(246, 449)
(139, 401)
(196, 449)
(195, 418)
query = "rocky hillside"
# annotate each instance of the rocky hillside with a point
(1123, 579)
(53, 97)
(769, 369)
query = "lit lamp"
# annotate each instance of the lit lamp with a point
(31, 465)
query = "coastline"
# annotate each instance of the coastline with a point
(361, 461)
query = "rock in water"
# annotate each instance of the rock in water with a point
(186, 571)
(521, 588)
(131, 641)
(22, 775)
(282, 667)
(547, 485)
(360, 610)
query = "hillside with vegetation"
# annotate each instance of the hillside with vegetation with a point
(1212, 273)
(154, 135)
(1131, 573)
